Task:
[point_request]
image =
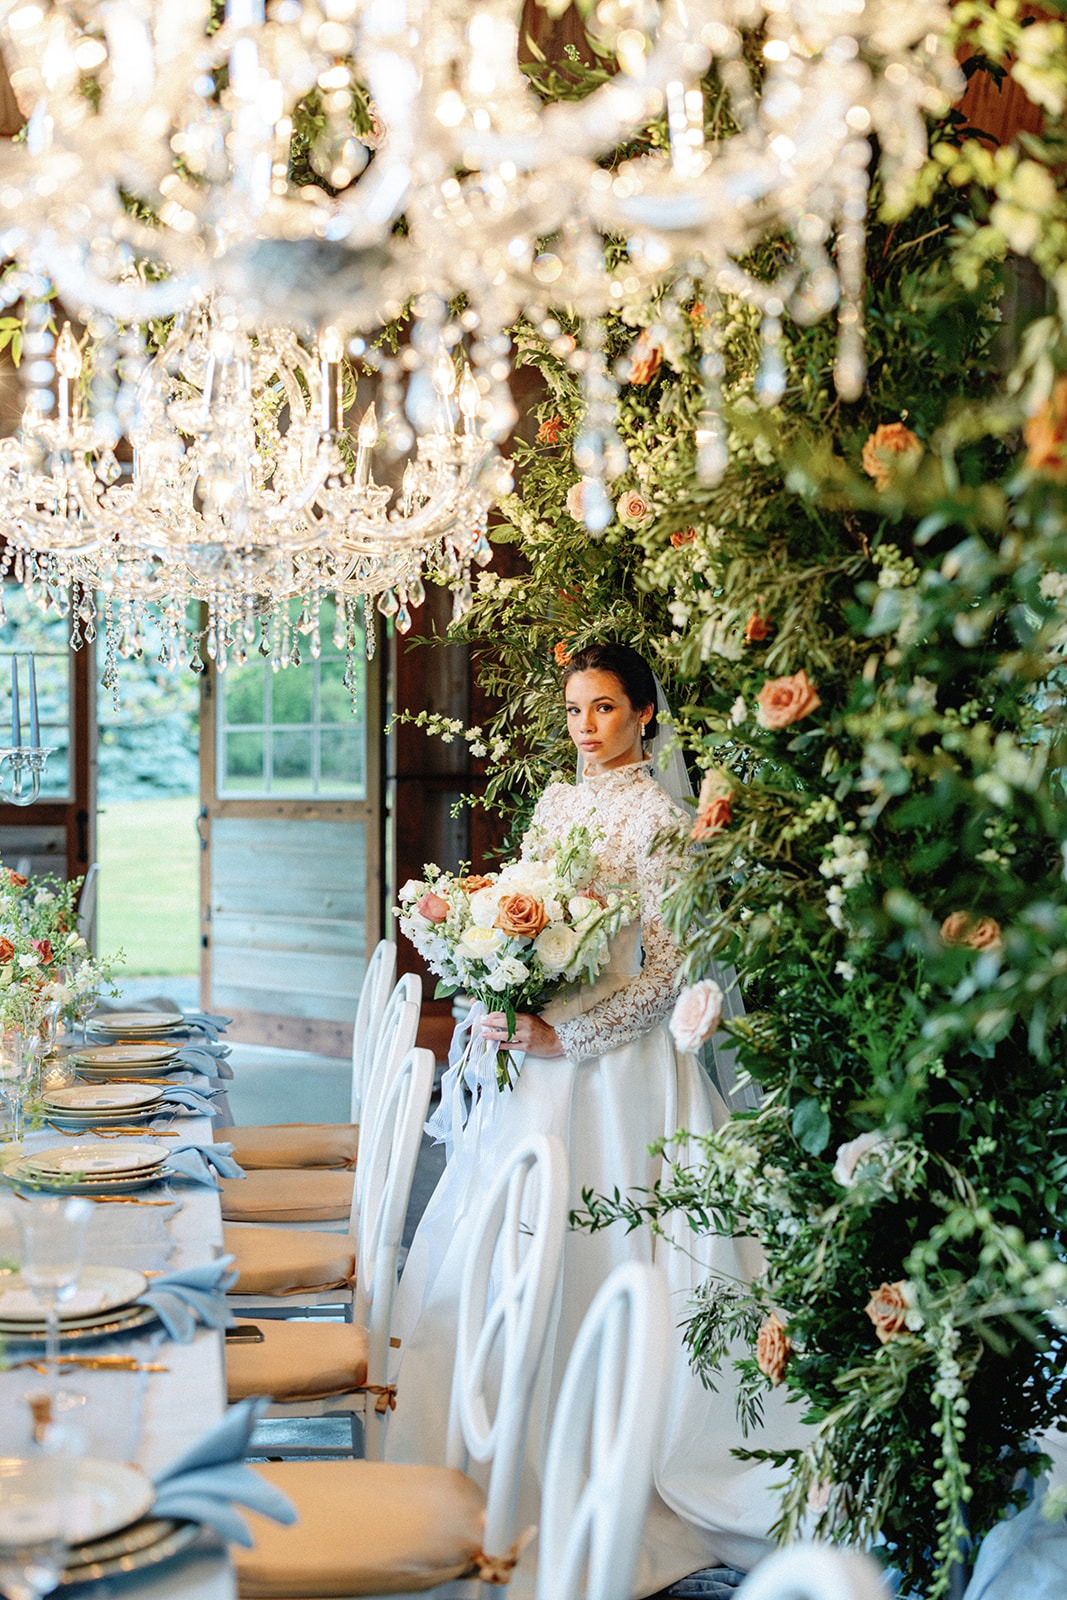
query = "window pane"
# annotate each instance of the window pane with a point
(241, 692)
(292, 762)
(335, 701)
(292, 692)
(243, 762)
(341, 761)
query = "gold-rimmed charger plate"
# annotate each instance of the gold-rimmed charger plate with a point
(100, 1496)
(100, 1290)
(137, 1022)
(26, 1178)
(94, 1099)
(145, 1544)
(129, 1319)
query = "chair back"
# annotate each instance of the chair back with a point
(85, 920)
(815, 1572)
(377, 981)
(598, 1467)
(389, 1140)
(509, 1283)
(392, 1041)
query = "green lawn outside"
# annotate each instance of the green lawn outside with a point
(149, 884)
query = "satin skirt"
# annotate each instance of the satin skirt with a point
(707, 1508)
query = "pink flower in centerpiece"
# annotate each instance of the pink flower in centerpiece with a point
(888, 446)
(645, 360)
(851, 1154)
(433, 907)
(783, 701)
(714, 808)
(7, 952)
(773, 1348)
(962, 929)
(17, 880)
(43, 948)
(574, 503)
(697, 1013)
(632, 509)
(888, 1310)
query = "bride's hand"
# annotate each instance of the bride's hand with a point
(529, 1033)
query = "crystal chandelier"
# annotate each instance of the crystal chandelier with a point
(161, 164)
(245, 492)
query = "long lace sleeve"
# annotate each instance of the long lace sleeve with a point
(645, 999)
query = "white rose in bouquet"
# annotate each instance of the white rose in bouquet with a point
(556, 947)
(483, 905)
(527, 877)
(479, 944)
(582, 906)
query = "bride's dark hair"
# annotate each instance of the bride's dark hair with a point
(632, 671)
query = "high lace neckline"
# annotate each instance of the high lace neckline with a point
(600, 780)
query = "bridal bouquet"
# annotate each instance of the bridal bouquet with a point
(512, 939)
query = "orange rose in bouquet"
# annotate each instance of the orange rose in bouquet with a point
(521, 916)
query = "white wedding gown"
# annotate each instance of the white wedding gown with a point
(621, 1086)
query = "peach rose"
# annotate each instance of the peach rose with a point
(574, 505)
(475, 881)
(550, 430)
(714, 807)
(962, 929)
(631, 509)
(43, 948)
(697, 1013)
(773, 1347)
(645, 360)
(17, 880)
(683, 536)
(521, 916)
(7, 952)
(890, 444)
(434, 907)
(783, 701)
(1045, 436)
(561, 653)
(888, 1310)
(758, 628)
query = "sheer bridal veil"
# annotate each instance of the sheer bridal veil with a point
(670, 771)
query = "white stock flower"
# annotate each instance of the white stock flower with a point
(556, 947)
(854, 1153)
(509, 974)
(526, 877)
(410, 890)
(697, 1013)
(483, 905)
(480, 944)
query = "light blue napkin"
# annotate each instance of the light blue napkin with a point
(201, 1162)
(193, 1099)
(1023, 1555)
(206, 1022)
(205, 1059)
(192, 1297)
(205, 1484)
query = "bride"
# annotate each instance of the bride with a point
(602, 1073)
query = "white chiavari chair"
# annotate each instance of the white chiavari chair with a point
(815, 1572)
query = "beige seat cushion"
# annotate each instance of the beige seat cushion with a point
(298, 1361)
(284, 1194)
(275, 1261)
(295, 1144)
(365, 1527)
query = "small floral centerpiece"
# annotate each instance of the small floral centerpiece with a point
(44, 961)
(513, 939)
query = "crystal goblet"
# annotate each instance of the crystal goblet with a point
(52, 1231)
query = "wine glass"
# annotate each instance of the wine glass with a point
(53, 1231)
(34, 1509)
(16, 1066)
(84, 1004)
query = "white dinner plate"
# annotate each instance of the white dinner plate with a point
(136, 1022)
(125, 1055)
(99, 1289)
(102, 1496)
(93, 1158)
(127, 1183)
(89, 1098)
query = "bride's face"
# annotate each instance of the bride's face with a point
(601, 721)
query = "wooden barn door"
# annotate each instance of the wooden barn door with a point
(291, 850)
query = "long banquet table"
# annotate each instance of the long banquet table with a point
(147, 1418)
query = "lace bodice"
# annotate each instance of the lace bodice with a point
(630, 809)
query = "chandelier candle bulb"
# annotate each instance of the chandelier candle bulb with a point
(68, 366)
(469, 400)
(35, 732)
(16, 724)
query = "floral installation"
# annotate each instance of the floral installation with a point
(44, 962)
(516, 938)
(890, 881)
